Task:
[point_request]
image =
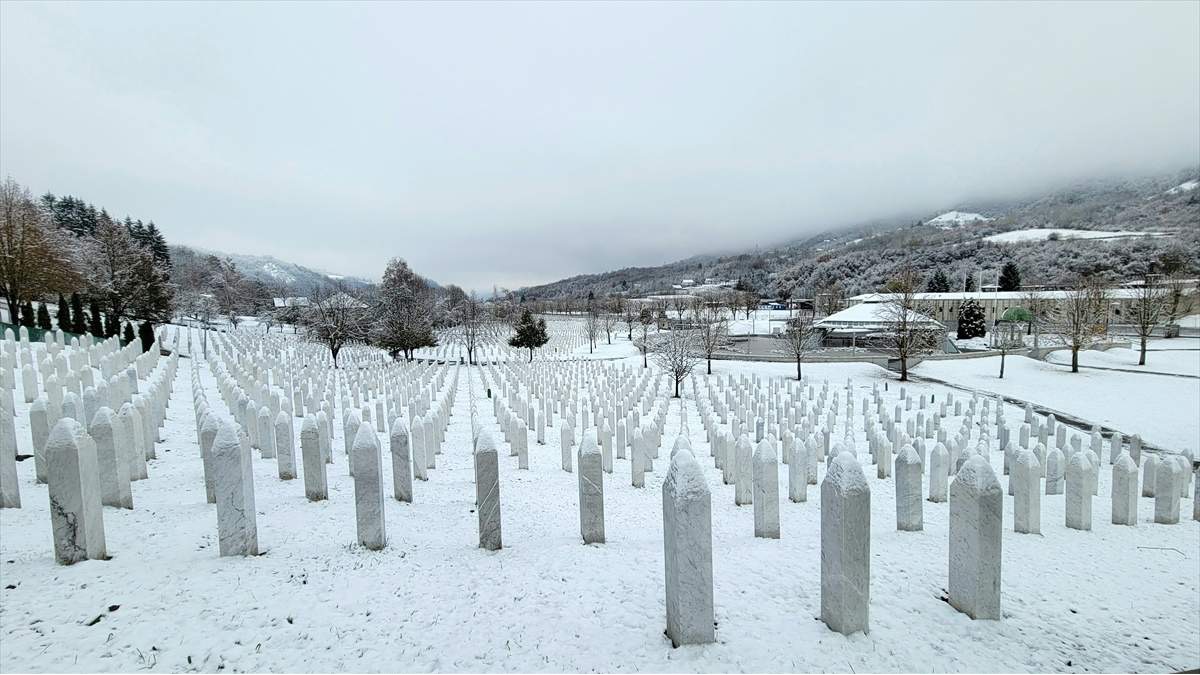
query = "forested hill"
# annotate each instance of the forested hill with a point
(963, 241)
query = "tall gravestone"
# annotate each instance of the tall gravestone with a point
(910, 514)
(312, 454)
(687, 552)
(1124, 490)
(73, 481)
(112, 460)
(368, 488)
(487, 492)
(402, 488)
(237, 527)
(1079, 493)
(976, 523)
(1026, 482)
(766, 490)
(591, 489)
(845, 546)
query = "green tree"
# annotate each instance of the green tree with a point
(971, 323)
(146, 335)
(1010, 277)
(939, 283)
(969, 286)
(43, 317)
(78, 320)
(127, 335)
(96, 323)
(64, 316)
(531, 333)
(27, 315)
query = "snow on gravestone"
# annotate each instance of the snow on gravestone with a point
(312, 453)
(208, 433)
(1079, 493)
(39, 429)
(1149, 474)
(10, 487)
(910, 515)
(112, 460)
(939, 459)
(401, 461)
(591, 489)
(566, 436)
(1026, 484)
(637, 458)
(766, 490)
(76, 513)
(687, 552)
(1054, 471)
(237, 528)
(845, 546)
(798, 472)
(743, 491)
(487, 492)
(368, 488)
(285, 447)
(1124, 490)
(1166, 490)
(976, 520)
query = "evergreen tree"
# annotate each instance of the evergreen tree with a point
(64, 315)
(27, 315)
(127, 335)
(43, 317)
(146, 335)
(1010, 277)
(970, 321)
(531, 333)
(969, 286)
(939, 283)
(96, 325)
(111, 325)
(78, 320)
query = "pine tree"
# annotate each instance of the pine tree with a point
(969, 286)
(531, 333)
(96, 326)
(43, 317)
(111, 325)
(1010, 277)
(970, 321)
(127, 336)
(78, 320)
(64, 315)
(27, 315)
(939, 283)
(146, 335)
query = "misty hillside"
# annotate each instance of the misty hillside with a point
(1115, 216)
(273, 272)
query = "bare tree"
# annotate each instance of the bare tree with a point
(35, 257)
(1040, 309)
(1079, 319)
(335, 319)
(629, 316)
(474, 325)
(677, 352)
(830, 298)
(749, 300)
(591, 324)
(680, 303)
(799, 336)
(1151, 302)
(645, 320)
(908, 331)
(201, 310)
(609, 319)
(712, 329)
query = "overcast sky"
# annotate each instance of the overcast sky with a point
(512, 144)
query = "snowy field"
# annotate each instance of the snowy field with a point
(1112, 599)
(1044, 233)
(1177, 356)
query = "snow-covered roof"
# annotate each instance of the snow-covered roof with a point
(290, 302)
(871, 315)
(1002, 296)
(952, 218)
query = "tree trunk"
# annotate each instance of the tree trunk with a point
(1002, 353)
(904, 369)
(710, 365)
(14, 311)
(531, 354)
(798, 375)
(644, 364)
(1074, 359)
(334, 351)
(1142, 356)
(677, 387)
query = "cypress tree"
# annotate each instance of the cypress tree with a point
(938, 283)
(111, 325)
(1010, 277)
(64, 315)
(43, 317)
(127, 336)
(969, 286)
(27, 315)
(146, 335)
(96, 327)
(78, 320)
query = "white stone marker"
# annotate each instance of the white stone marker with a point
(1055, 472)
(766, 490)
(402, 488)
(845, 546)
(39, 429)
(939, 460)
(1149, 474)
(910, 514)
(1026, 482)
(976, 521)
(591, 489)
(76, 513)
(687, 552)
(487, 492)
(743, 489)
(1079, 493)
(1124, 490)
(112, 460)
(1166, 491)
(237, 528)
(798, 472)
(285, 446)
(566, 440)
(208, 433)
(316, 486)
(368, 488)
(10, 486)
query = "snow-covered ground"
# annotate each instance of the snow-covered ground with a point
(1044, 233)
(956, 218)
(1112, 599)
(1186, 186)
(1178, 356)
(761, 322)
(1161, 409)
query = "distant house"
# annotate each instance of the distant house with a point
(867, 324)
(290, 302)
(687, 283)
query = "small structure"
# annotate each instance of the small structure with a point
(867, 325)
